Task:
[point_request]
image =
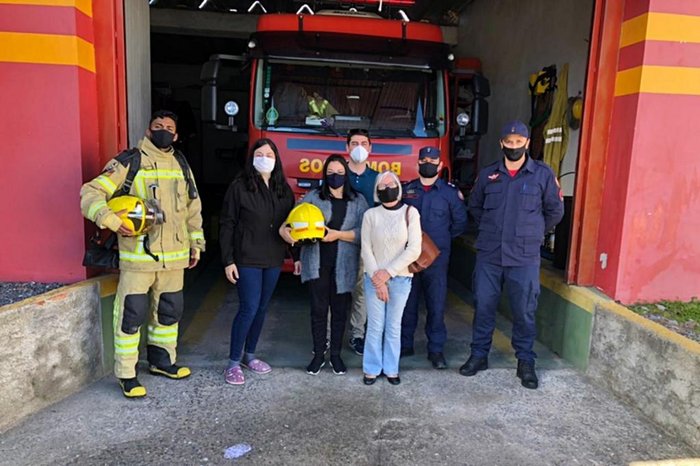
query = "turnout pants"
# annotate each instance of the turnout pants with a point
(153, 298)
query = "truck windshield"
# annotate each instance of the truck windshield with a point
(331, 98)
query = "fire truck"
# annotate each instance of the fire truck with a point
(314, 77)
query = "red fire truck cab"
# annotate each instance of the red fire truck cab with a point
(314, 77)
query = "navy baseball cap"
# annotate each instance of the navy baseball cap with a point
(515, 127)
(429, 153)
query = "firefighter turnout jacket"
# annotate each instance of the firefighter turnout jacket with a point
(160, 177)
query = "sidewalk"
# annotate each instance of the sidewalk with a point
(289, 417)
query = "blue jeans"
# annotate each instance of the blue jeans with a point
(255, 288)
(383, 339)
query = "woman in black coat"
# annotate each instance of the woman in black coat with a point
(255, 206)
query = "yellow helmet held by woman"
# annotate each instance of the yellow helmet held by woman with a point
(307, 223)
(135, 213)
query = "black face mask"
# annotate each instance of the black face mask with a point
(427, 170)
(335, 180)
(162, 138)
(514, 154)
(388, 195)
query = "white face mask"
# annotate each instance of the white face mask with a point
(263, 164)
(359, 154)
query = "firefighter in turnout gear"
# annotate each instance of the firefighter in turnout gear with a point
(152, 264)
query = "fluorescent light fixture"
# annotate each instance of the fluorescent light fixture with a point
(204, 2)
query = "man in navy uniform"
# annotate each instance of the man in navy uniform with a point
(443, 216)
(514, 202)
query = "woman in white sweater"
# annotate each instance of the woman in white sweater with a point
(391, 240)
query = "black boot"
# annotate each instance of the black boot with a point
(474, 365)
(437, 360)
(526, 374)
(132, 388)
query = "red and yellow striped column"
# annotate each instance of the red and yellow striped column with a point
(50, 134)
(648, 242)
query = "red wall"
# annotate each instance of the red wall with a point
(50, 127)
(650, 217)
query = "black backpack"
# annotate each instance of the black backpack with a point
(103, 254)
(131, 158)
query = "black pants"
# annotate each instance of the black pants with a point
(324, 294)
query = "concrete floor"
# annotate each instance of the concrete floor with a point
(289, 417)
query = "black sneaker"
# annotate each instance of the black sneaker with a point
(172, 372)
(526, 374)
(316, 364)
(357, 345)
(132, 388)
(338, 365)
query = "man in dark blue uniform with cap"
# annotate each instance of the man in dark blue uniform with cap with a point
(443, 216)
(514, 202)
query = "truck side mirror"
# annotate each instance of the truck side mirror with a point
(210, 72)
(480, 117)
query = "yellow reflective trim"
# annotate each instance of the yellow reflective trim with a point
(160, 174)
(106, 183)
(197, 235)
(121, 351)
(127, 338)
(153, 338)
(135, 257)
(164, 330)
(94, 208)
(130, 346)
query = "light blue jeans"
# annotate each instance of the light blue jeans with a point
(383, 339)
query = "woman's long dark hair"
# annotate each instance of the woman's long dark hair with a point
(325, 191)
(278, 182)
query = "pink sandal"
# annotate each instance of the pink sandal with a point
(257, 366)
(234, 376)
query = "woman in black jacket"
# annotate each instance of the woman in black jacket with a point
(255, 206)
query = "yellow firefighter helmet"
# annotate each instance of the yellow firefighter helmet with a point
(135, 214)
(307, 222)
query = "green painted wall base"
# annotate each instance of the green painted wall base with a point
(106, 307)
(562, 326)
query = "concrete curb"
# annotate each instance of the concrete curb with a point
(650, 367)
(52, 347)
